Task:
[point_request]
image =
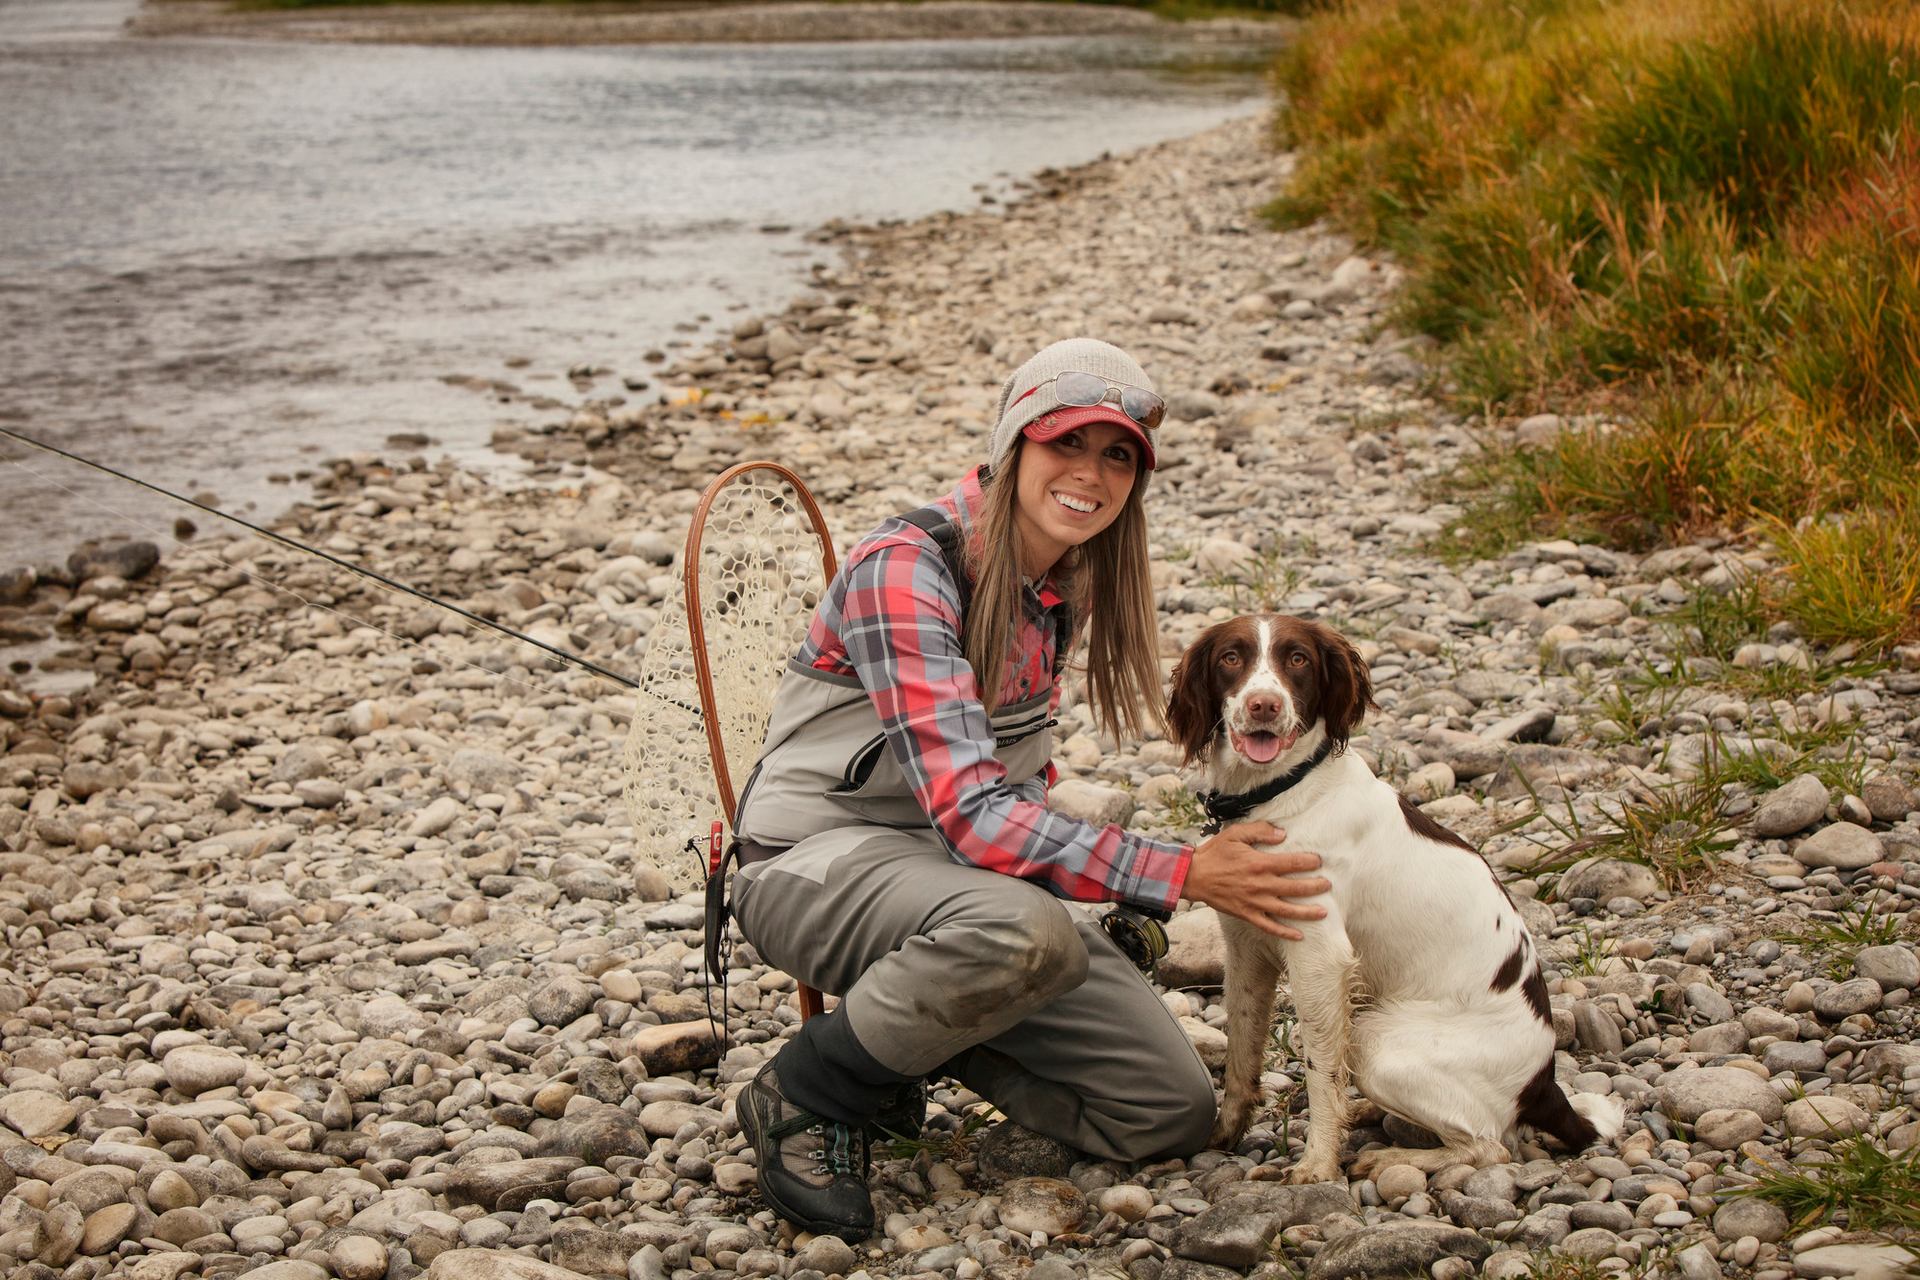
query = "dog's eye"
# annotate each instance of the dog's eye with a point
(1229, 659)
(1296, 659)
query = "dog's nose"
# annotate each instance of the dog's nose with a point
(1263, 706)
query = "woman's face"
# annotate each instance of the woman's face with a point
(1070, 488)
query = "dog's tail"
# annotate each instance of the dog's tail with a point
(1578, 1122)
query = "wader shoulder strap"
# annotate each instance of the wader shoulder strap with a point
(946, 534)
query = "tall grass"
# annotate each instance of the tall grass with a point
(1700, 221)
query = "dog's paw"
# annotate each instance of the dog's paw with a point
(1368, 1163)
(1226, 1136)
(1314, 1170)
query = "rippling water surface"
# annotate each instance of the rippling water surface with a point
(222, 260)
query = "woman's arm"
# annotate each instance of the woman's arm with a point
(900, 623)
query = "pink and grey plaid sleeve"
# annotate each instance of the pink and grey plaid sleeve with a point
(900, 623)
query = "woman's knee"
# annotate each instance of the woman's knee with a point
(1039, 949)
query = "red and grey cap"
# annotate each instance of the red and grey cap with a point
(1029, 406)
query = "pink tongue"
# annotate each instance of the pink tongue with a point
(1261, 748)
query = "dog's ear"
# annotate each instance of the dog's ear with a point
(1348, 688)
(1193, 710)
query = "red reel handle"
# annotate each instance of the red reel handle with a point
(716, 847)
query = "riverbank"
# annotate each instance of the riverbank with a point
(587, 24)
(328, 949)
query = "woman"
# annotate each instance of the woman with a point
(896, 845)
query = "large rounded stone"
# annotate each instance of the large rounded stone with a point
(1821, 1116)
(1396, 1249)
(560, 1001)
(1726, 1128)
(359, 1258)
(1792, 808)
(1604, 879)
(1688, 1095)
(1196, 953)
(1842, 846)
(1893, 966)
(493, 1264)
(1051, 1205)
(59, 1235)
(1844, 999)
(195, 1069)
(1750, 1216)
(107, 1227)
(35, 1113)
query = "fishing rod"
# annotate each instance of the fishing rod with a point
(348, 565)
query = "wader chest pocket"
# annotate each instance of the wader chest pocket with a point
(1020, 731)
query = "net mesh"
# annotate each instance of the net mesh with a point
(760, 578)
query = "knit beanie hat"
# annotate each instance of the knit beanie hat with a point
(1029, 394)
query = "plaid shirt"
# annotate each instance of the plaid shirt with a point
(891, 618)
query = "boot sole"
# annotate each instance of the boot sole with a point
(750, 1123)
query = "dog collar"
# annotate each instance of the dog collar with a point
(1222, 809)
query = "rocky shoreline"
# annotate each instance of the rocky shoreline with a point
(327, 954)
(669, 23)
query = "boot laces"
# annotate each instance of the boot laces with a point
(839, 1152)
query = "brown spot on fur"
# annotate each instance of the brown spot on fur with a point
(1509, 970)
(1421, 825)
(1535, 990)
(1543, 1106)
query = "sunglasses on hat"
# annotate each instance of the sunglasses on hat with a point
(1084, 390)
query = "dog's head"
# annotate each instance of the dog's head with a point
(1261, 681)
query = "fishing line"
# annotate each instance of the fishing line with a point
(296, 545)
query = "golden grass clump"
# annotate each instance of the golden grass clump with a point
(1702, 220)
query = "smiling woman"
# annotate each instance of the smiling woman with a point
(896, 844)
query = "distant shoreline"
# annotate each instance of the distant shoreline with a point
(799, 21)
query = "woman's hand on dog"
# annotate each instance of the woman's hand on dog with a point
(1230, 875)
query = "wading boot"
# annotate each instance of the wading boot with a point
(813, 1171)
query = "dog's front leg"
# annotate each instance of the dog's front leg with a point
(1253, 967)
(1322, 971)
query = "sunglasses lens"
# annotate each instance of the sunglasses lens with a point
(1143, 407)
(1079, 389)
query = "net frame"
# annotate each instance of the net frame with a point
(745, 602)
(696, 612)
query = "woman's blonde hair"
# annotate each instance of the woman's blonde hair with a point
(1111, 568)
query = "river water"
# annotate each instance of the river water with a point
(221, 261)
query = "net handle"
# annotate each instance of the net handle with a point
(696, 626)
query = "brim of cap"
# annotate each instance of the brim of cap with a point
(1050, 426)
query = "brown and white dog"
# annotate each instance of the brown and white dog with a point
(1421, 985)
